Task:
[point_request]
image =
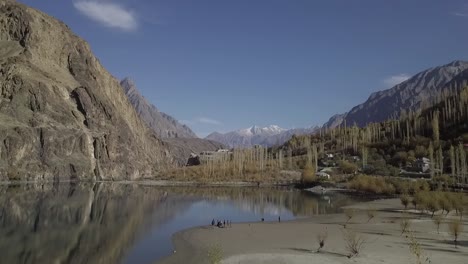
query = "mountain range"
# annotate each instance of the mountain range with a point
(255, 135)
(179, 139)
(408, 95)
(411, 94)
(161, 123)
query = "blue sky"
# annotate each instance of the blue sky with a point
(222, 65)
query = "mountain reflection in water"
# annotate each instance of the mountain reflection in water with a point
(131, 223)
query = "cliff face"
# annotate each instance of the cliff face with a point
(62, 115)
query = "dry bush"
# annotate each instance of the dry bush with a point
(354, 242)
(455, 228)
(371, 213)
(405, 225)
(445, 202)
(308, 174)
(321, 238)
(405, 200)
(371, 184)
(416, 250)
(431, 202)
(215, 254)
(437, 220)
(349, 213)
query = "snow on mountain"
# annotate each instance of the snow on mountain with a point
(255, 135)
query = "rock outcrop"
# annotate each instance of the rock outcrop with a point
(62, 115)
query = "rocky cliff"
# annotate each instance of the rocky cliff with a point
(62, 115)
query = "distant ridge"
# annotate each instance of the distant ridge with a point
(266, 136)
(163, 124)
(408, 95)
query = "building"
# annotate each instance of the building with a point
(422, 165)
(323, 175)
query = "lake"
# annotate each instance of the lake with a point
(132, 223)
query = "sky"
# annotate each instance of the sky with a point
(222, 65)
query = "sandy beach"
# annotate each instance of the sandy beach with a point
(296, 241)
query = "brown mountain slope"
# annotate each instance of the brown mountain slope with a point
(411, 94)
(163, 124)
(62, 115)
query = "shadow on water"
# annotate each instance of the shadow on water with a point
(130, 223)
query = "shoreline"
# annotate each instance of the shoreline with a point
(164, 183)
(295, 241)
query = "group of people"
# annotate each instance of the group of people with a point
(227, 223)
(220, 224)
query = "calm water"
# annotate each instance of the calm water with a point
(123, 223)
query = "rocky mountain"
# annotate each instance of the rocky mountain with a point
(408, 95)
(180, 139)
(265, 136)
(163, 124)
(62, 115)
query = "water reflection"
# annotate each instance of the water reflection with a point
(129, 223)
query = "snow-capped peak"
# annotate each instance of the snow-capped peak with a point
(256, 130)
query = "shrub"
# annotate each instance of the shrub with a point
(432, 203)
(349, 213)
(405, 200)
(416, 250)
(445, 202)
(420, 198)
(371, 184)
(308, 174)
(455, 228)
(405, 225)
(215, 254)
(321, 238)
(354, 242)
(371, 213)
(347, 167)
(437, 220)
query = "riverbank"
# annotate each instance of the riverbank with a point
(296, 241)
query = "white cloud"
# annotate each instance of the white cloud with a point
(201, 120)
(461, 14)
(109, 14)
(396, 79)
(206, 120)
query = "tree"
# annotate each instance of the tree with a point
(435, 127)
(437, 220)
(347, 167)
(431, 158)
(455, 227)
(308, 174)
(405, 200)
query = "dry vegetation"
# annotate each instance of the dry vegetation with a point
(371, 213)
(405, 225)
(321, 239)
(215, 254)
(354, 242)
(455, 228)
(349, 213)
(416, 250)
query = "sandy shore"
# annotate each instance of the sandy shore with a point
(296, 241)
